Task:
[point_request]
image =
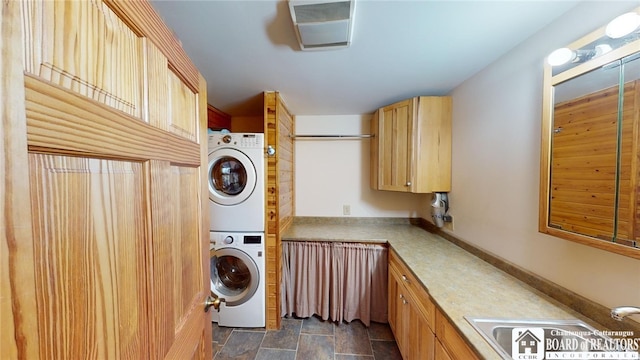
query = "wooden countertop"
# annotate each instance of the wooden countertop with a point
(459, 283)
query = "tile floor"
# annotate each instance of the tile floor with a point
(306, 339)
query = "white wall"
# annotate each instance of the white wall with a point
(496, 153)
(333, 173)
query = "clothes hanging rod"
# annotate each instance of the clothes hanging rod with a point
(359, 136)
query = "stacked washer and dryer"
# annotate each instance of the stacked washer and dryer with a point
(237, 198)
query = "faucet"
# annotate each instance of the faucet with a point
(622, 312)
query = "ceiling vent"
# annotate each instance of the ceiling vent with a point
(322, 25)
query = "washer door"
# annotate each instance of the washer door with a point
(232, 176)
(234, 275)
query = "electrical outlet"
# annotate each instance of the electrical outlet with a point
(449, 224)
(346, 209)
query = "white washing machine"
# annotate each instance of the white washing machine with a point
(237, 267)
(236, 182)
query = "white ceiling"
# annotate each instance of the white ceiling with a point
(400, 49)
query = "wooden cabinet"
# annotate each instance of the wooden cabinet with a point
(441, 353)
(217, 119)
(421, 330)
(411, 148)
(454, 345)
(410, 315)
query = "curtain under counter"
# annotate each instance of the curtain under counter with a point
(334, 280)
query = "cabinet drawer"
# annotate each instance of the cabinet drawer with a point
(451, 340)
(414, 287)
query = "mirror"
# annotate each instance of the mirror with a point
(590, 163)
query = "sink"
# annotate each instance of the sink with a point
(544, 339)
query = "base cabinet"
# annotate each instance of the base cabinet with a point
(453, 343)
(441, 353)
(421, 331)
(410, 325)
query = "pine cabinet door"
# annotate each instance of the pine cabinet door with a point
(411, 148)
(394, 146)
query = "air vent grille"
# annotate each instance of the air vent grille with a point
(322, 12)
(322, 25)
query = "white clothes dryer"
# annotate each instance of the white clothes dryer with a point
(237, 267)
(236, 182)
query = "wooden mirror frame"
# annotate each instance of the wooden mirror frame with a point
(550, 81)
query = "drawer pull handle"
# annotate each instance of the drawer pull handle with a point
(404, 302)
(401, 296)
(404, 277)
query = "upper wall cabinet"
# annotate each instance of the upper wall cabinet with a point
(411, 147)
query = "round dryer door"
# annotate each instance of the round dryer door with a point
(232, 176)
(234, 275)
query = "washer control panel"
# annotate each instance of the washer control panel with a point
(239, 240)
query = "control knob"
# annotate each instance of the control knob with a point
(228, 240)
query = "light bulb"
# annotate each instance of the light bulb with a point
(561, 56)
(623, 25)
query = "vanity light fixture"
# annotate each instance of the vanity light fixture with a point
(618, 28)
(561, 56)
(623, 25)
(565, 55)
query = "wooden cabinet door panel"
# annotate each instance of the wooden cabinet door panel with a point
(89, 231)
(84, 47)
(421, 338)
(410, 326)
(441, 353)
(453, 343)
(432, 144)
(398, 315)
(393, 299)
(395, 129)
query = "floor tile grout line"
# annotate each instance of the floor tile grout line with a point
(333, 329)
(299, 336)
(370, 343)
(317, 335)
(264, 336)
